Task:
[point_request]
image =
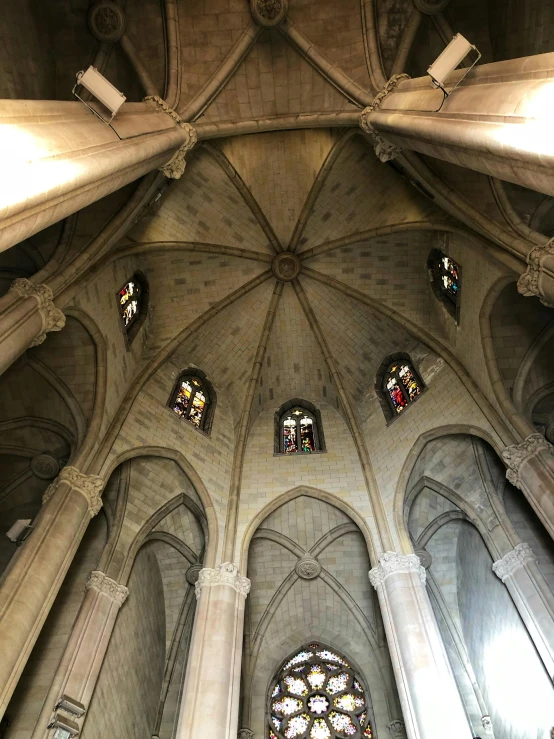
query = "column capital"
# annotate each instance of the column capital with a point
(52, 318)
(397, 729)
(245, 734)
(88, 485)
(391, 563)
(105, 585)
(512, 561)
(529, 283)
(514, 456)
(383, 149)
(225, 574)
(176, 166)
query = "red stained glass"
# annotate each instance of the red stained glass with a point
(129, 301)
(298, 431)
(401, 386)
(190, 401)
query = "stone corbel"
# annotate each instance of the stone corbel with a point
(512, 561)
(529, 284)
(226, 574)
(383, 149)
(269, 13)
(88, 485)
(392, 563)
(176, 166)
(397, 729)
(516, 455)
(52, 318)
(105, 585)
(245, 734)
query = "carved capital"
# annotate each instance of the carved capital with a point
(397, 729)
(516, 455)
(383, 149)
(52, 318)
(176, 166)
(269, 13)
(226, 574)
(245, 734)
(392, 563)
(529, 283)
(486, 724)
(519, 556)
(88, 485)
(104, 584)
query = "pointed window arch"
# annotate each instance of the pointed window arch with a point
(316, 694)
(398, 384)
(132, 299)
(298, 428)
(446, 280)
(193, 399)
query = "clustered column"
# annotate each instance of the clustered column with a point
(429, 697)
(210, 701)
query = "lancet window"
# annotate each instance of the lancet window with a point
(445, 276)
(318, 695)
(397, 385)
(133, 304)
(299, 431)
(192, 399)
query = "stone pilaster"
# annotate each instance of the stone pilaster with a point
(88, 485)
(531, 283)
(52, 318)
(175, 168)
(383, 149)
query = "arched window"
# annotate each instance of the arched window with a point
(398, 384)
(133, 305)
(299, 428)
(445, 276)
(317, 695)
(193, 399)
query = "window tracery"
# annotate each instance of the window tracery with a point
(299, 431)
(192, 399)
(317, 695)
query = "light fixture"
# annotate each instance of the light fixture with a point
(102, 89)
(72, 706)
(65, 727)
(447, 62)
(20, 531)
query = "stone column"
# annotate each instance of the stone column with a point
(498, 121)
(210, 702)
(58, 157)
(431, 704)
(33, 577)
(27, 314)
(519, 572)
(530, 467)
(84, 654)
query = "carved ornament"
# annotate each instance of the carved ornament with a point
(286, 266)
(392, 563)
(45, 466)
(487, 724)
(88, 485)
(424, 557)
(104, 584)
(245, 734)
(176, 166)
(516, 455)
(307, 568)
(106, 20)
(383, 149)
(269, 13)
(397, 729)
(226, 574)
(52, 318)
(529, 283)
(518, 557)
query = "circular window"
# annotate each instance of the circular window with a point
(317, 695)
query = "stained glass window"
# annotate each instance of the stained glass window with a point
(190, 400)
(445, 277)
(401, 385)
(132, 301)
(299, 432)
(317, 695)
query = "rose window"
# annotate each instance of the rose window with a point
(317, 695)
